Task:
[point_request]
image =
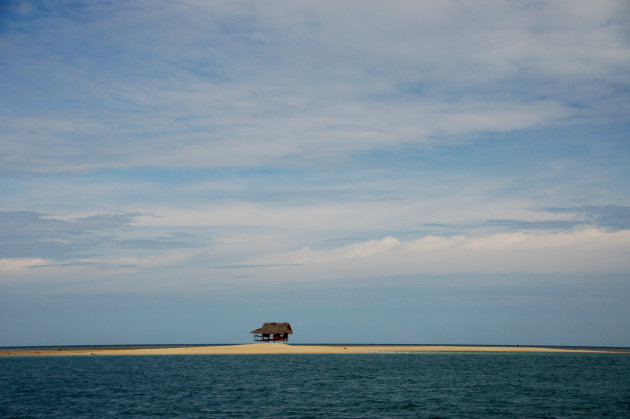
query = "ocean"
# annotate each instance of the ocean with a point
(419, 385)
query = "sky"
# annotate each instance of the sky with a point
(435, 172)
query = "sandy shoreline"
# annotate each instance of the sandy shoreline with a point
(278, 348)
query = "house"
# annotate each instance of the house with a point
(273, 332)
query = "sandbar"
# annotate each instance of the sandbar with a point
(281, 348)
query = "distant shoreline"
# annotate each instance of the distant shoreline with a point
(279, 348)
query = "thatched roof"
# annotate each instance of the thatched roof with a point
(274, 328)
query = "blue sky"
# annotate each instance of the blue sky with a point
(372, 172)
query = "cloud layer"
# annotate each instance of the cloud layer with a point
(242, 85)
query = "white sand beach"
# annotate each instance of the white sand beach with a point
(280, 348)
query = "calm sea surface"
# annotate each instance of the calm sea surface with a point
(367, 385)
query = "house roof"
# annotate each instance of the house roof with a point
(274, 328)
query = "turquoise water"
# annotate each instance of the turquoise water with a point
(367, 385)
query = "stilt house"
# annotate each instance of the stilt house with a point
(273, 332)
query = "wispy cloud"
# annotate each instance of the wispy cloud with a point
(311, 81)
(30, 234)
(608, 217)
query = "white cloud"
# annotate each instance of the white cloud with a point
(18, 266)
(354, 251)
(241, 256)
(587, 251)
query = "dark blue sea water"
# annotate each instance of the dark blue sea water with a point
(421, 385)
